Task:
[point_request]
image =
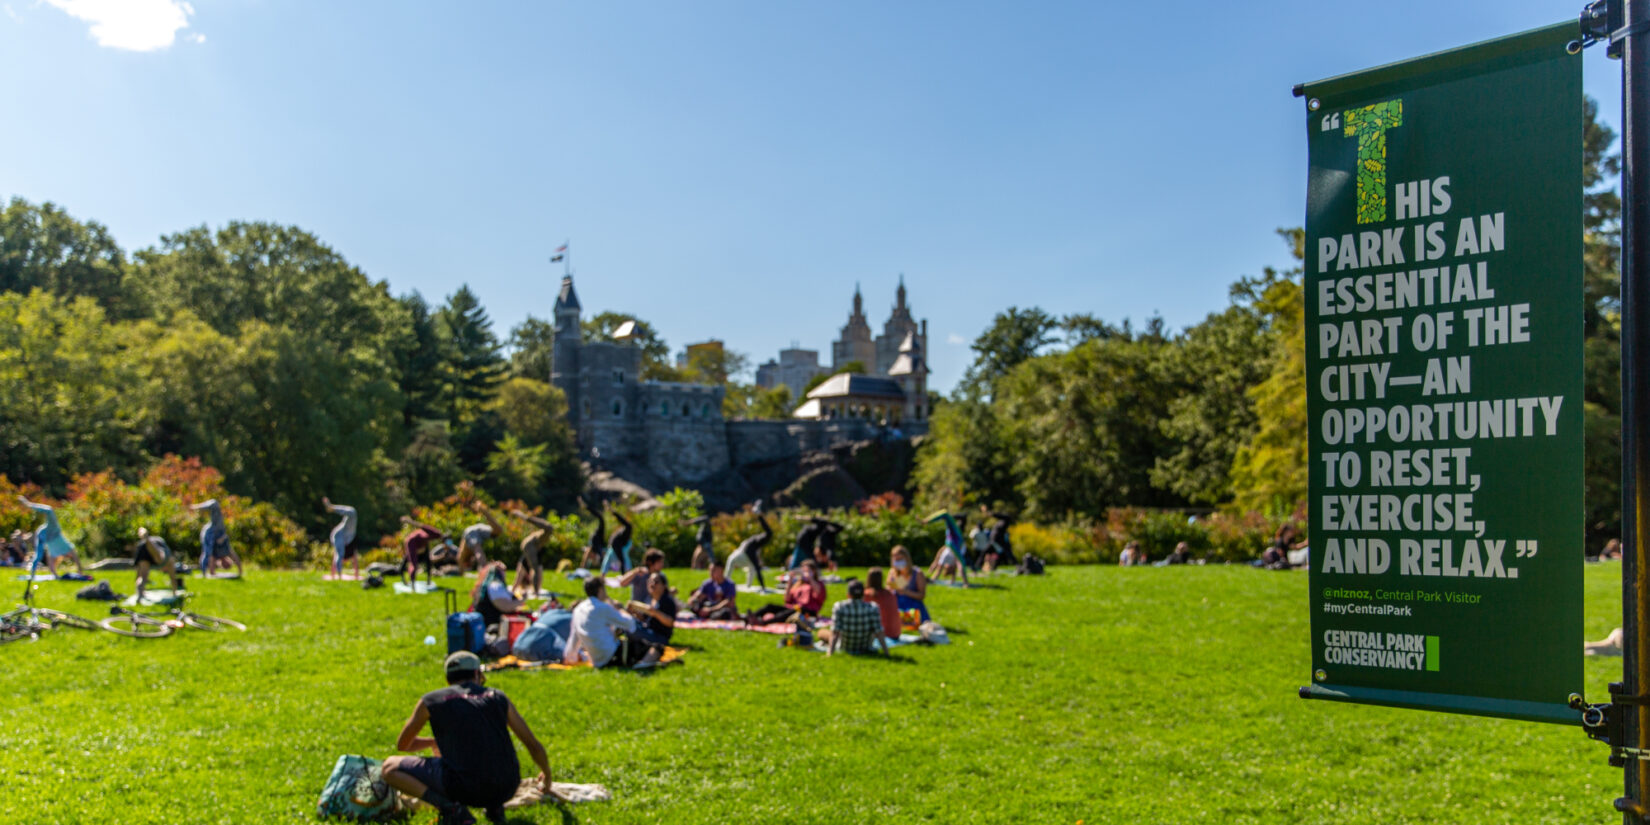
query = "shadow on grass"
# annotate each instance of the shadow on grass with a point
(567, 817)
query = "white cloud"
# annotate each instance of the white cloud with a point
(136, 25)
(955, 340)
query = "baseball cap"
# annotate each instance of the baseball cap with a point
(463, 661)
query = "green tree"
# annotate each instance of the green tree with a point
(43, 247)
(474, 366)
(1014, 336)
(429, 469)
(532, 349)
(420, 364)
(533, 410)
(714, 366)
(1601, 327)
(1209, 373)
(1269, 473)
(515, 470)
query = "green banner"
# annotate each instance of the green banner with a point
(1444, 375)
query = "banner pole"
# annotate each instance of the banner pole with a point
(1635, 358)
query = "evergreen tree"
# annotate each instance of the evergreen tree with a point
(473, 365)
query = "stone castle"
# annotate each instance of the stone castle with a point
(660, 434)
(893, 384)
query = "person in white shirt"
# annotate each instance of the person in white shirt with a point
(596, 626)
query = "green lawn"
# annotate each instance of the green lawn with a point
(1095, 694)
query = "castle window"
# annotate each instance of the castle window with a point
(618, 408)
(587, 408)
(685, 412)
(618, 376)
(704, 411)
(664, 408)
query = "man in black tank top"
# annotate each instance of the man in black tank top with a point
(470, 726)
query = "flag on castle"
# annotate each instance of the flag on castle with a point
(561, 252)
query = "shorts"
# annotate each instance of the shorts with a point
(434, 772)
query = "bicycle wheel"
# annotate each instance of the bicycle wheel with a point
(60, 619)
(16, 633)
(200, 622)
(141, 627)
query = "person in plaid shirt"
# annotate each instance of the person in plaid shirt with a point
(856, 624)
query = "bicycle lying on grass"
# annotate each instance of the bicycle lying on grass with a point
(128, 622)
(28, 621)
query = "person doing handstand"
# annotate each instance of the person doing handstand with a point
(415, 548)
(49, 541)
(152, 551)
(749, 553)
(617, 557)
(953, 557)
(530, 570)
(472, 543)
(215, 539)
(475, 763)
(808, 539)
(342, 535)
(598, 540)
(703, 554)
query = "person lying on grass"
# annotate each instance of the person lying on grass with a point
(152, 551)
(803, 599)
(15, 551)
(856, 625)
(909, 586)
(415, 548)
(475, 763)
(596, 626)
(657, 617)
(636, 579)
(716, 598)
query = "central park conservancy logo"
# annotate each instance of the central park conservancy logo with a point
(1388, 651)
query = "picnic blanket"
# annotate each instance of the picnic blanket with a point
(417, 587)
(765, 591)
(820, 646)
(672, 656)
(38, 577)
(342, 577)
(529, 793)
(777, 628)
(162, 598)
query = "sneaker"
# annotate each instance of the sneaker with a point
(650, 660)
(456, 815)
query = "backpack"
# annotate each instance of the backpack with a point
(100, 592)
(465, 631)
(1030, 565)
(372, 581)
(356, 790)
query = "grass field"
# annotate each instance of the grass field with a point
(1093, 694)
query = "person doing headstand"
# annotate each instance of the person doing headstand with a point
(808, 539)
(215, 539)
(703, 554)
(953, 557)
(749, 553)
(50, 545)
(617, 557)
(598, 540)
(342, 535)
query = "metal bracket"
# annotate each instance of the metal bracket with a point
(1604, 21)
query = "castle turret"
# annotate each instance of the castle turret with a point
(564, 370)
(910, 371)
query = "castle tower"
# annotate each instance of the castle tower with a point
(855, 343)
(910, 371)
(564, 370)
(900, 324)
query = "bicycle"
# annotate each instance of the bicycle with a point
(199, 622)
(152, 626)
(28, 621)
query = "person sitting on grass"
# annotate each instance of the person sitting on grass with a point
(492, 598)
(596, 626)
(885, 600)
(749, 553)
(152, 551)
(1182, 555)
(415, 548)
(530, 570)
(215, 549)
(717, 598)
(653, 561)
(909, 586)
(15, 551)
(1276, 556)
(50, 545)
(657, 617)
(472, 543)
(703, 553)
(342, 535)
(803, 599)
(476, 765)
(856, 625)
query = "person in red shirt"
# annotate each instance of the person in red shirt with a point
(416, 547)
(805, 597)
(885, 600)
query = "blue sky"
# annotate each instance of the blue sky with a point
(723, 170)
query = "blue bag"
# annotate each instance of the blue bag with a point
(357, 791)
(546, 640)
(465, 631)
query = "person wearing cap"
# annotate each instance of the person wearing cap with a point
(856, 625)
(470, 727)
